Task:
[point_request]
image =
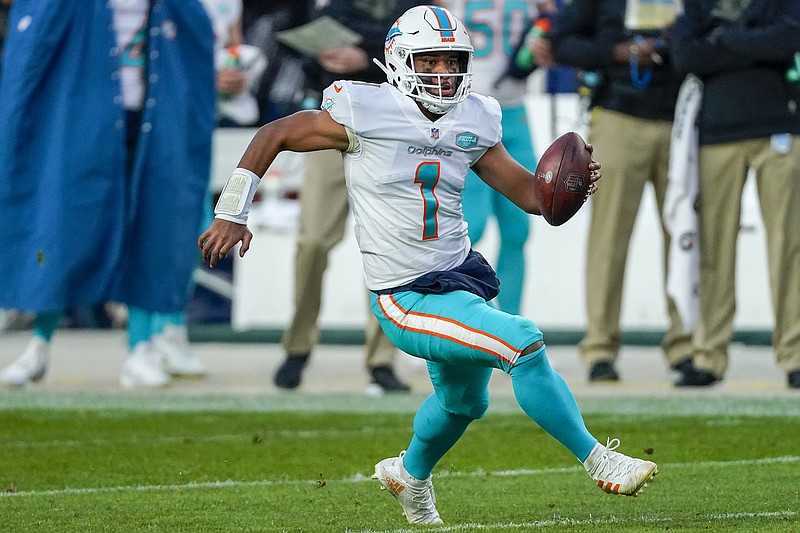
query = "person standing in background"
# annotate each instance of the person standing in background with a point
(239, 65)
(749, 119)
(170, 332)
(632, 108)
(496, 27)
(280, 90)
(323, 197)
(108, 111)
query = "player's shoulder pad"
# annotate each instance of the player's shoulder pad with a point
(486, 111)
(351, 102)
(488, 103)
(355, 91)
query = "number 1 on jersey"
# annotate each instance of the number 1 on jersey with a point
(427, 176)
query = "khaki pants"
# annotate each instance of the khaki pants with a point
(723, 172)
(323, 212)
(632, 152)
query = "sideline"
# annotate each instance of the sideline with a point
(619, 406)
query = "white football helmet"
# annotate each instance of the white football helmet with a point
(427, 29)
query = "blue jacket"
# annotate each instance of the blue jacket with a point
(76, 227)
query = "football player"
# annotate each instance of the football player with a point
(407, 145)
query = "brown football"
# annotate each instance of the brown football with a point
(562, 178)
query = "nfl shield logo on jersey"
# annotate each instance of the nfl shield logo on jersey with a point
(434, 133)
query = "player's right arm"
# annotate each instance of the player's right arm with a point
(304, 131)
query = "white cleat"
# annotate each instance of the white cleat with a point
(415, 496)
(142, 368)
(30, 366)
(172, 345)
(617, 473)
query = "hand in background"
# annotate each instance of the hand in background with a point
(231, 81)
(542, 52)
(343, 59)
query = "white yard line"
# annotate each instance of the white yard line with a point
(360, 478)
(558, 521)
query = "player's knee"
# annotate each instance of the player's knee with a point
(476, 411)
(471, 408)
(536, 346)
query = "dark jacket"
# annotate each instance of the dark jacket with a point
(369, 18)
(584, 35)
(742, 58)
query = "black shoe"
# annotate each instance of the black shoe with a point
(288, 375)
(793, 379)
(684, 366)
(603, 371)
(384, 377)
(692, 377)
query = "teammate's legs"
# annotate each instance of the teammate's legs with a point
(45, 324)
(512, 222)
(143, 366)
(32, 364)
(514, 226)
(170, 337)
(139, 324)
(476, 204)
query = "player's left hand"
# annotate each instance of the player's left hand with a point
(223, 235)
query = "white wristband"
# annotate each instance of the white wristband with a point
(237, 196)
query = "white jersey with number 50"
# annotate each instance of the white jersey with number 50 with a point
(405, 175)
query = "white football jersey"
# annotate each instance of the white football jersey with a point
(405, 175)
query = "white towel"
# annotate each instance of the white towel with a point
(679, 214)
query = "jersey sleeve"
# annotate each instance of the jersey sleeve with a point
(488, 120)
(337, 101)
(495, 121)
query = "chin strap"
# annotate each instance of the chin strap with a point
(383, 67)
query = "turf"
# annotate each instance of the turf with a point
(129, 465)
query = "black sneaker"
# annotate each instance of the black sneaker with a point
(603, 371)
(693, 377)
(289, 374)
(385, 378)
(793, 379)
(684, 366)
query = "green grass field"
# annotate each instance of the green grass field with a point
(302, 463)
